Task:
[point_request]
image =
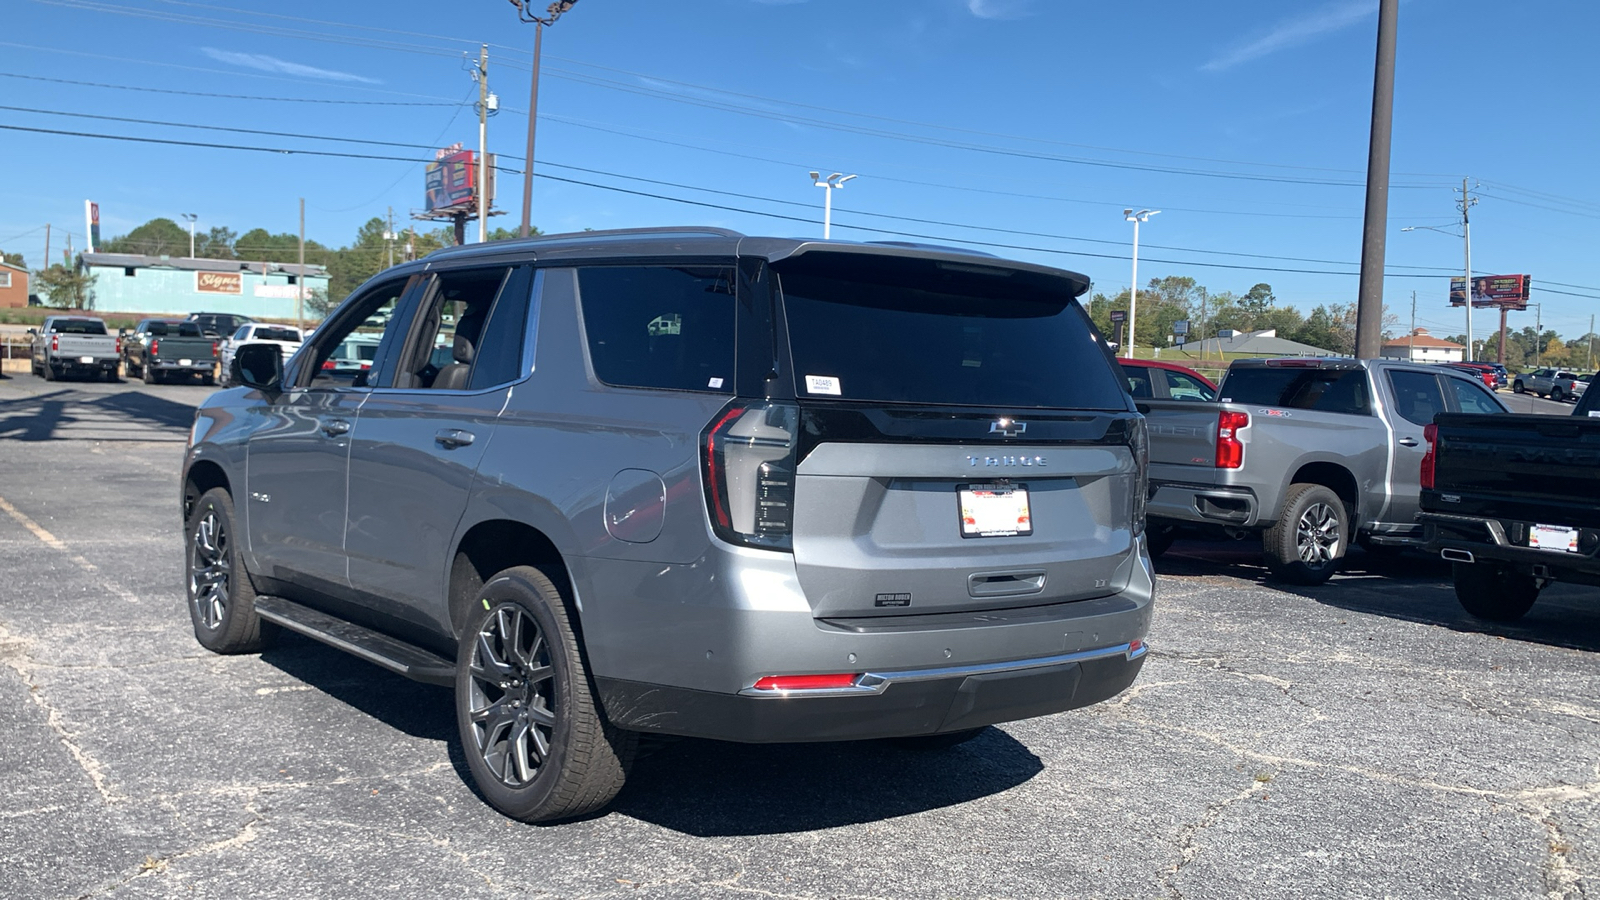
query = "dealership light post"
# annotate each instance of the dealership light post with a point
(190, 218)
(1142, 215)
(828, 185)
(552, 13)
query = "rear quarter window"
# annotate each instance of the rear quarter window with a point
(1323, 390)
(666, 327)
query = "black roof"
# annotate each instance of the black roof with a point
(698, 241)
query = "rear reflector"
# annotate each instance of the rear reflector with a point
(1135, 647)
(805, 682)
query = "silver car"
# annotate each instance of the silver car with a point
(687, 482)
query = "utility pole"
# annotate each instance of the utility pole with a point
(483, 143)
(1538, 332)
(1411, 339)
(388, 237)
(1369, 302)
(1589, 360)
(1466, 203)
(300, 282)
(525, 13)
(47, 245)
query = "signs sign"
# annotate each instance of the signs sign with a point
(91, 215)
(219, 282)
(1509, 291)
(451, 181)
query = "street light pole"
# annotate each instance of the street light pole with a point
(1467, 202)
(828, 185)
(1142, 215)
(525, 14)
(190, 218)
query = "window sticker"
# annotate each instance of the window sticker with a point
(822, 384)
(714, 383)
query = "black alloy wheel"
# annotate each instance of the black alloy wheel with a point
(512, 695)
(221, 597)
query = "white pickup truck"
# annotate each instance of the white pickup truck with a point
(74, 345)
(286, 338)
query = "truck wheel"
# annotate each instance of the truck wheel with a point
(1159, 537)
(536, 742)
(207, 379)
(113, 374)
(1494, 592)
(1517, 388)
(50, 373)
(1306, 543)
(222, 602)
(147, 375)
(1557, 394)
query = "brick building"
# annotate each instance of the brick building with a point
(13, 286)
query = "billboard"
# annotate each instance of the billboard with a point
(1508, 291)
(451, 181)
(91, 215)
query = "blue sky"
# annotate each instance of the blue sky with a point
(1245, 122)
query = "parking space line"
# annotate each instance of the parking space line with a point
(56, 543)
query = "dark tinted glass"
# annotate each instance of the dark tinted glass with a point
(1417, 397)
(1474, 399)
(188, 329)
(1138, 382)
(156, 329)
(918, 331)
(80, 326)
(277, 334)
(1325, 390)
(499, 348)
(660, 327)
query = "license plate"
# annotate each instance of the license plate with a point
(994, 510)
(185, 362)
(86, 360)
(1553, 537)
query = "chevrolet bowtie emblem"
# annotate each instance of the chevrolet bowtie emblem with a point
(1007, 427)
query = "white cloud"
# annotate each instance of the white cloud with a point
(1293, 32)
(267, 63)
(999, 9)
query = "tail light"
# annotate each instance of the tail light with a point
(1430, 433)
(155, 347)
(1140, 443)
(55, 342)
(213, 349)
(328, 365)
(1230, 451)
(119, 345)
(748, 460)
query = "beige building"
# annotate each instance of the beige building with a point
(1419, 346)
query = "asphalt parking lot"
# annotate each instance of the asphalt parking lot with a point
(1360, 739)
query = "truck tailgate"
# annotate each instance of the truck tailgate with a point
(76, 346)
(1530, 467)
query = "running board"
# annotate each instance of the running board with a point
(379, 649)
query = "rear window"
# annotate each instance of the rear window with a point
(277, 334)
(660, 326)
(79, 326)
(926, 332)
(1324, 390)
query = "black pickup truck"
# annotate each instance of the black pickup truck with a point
(1513, 501)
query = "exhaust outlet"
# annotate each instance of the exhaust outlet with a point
(1456, 555)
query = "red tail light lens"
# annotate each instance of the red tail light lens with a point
(1430, 433)
(327, 365)
(213, 349)
(155, 347)
(1230, 451)
(747, 457)
(55, 342)
(806, 682)
(119, 345)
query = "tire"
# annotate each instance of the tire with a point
(519, 647)
(1494, 592)
(147, 375)
(221, 599)
(1517, 388)
(927, 743)
(1557, 394)
(1159, 538)
(1310, 537)
(112, 374)
(207, 379)
(50, 373)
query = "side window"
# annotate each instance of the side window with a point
(451, 329)
(1417, 397)
(243, 334)
(499, 350)
(660, 326)
(1474, 399)
(1138, 382)
(346, 348)
(1185, 387)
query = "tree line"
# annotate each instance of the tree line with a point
(1166, 301)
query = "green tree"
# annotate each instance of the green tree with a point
(66, 288)
(14, 259)
(157, 237)
(216, 243)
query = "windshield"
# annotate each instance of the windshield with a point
(919, 331)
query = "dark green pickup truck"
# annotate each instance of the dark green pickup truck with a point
(1513, 501)
(160, 350)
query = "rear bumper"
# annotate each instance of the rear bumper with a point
(194, 365)
(1208, 504)
(74, 363)
(888, 704)
(1475, 539)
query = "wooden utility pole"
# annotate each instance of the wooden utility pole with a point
(47, 245)
(300, 282)
(1369, 303)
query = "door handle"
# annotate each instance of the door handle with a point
(335, 427)
(1407, 442)
(451, 438)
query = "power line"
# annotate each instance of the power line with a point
(1570, 212)
(152, 90)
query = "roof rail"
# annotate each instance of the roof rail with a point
(686, 231)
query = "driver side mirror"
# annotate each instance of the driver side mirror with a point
(33, 331)
(259, 366)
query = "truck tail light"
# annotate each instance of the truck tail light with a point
(806, 682)
(1230, 451)
(55, 342)
(748, 460)
(328, 365)
(213, 349)
(1430, 433)
(119, 345)
(155, 347)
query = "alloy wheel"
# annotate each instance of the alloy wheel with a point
(512, 695)
(1317, 535)
(210, 569)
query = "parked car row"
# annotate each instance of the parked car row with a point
(156, 350)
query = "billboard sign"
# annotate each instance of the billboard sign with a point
(1508, 291)
(451, 180)
(219, 282)
(91, 215)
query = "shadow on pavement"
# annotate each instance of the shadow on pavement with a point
(1412, 586)
(707, 788)
(43, 417)
(145, 408)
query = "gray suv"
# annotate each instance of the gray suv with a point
(686, 482)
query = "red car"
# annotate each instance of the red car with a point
(1150, 379)
(1478, 370)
